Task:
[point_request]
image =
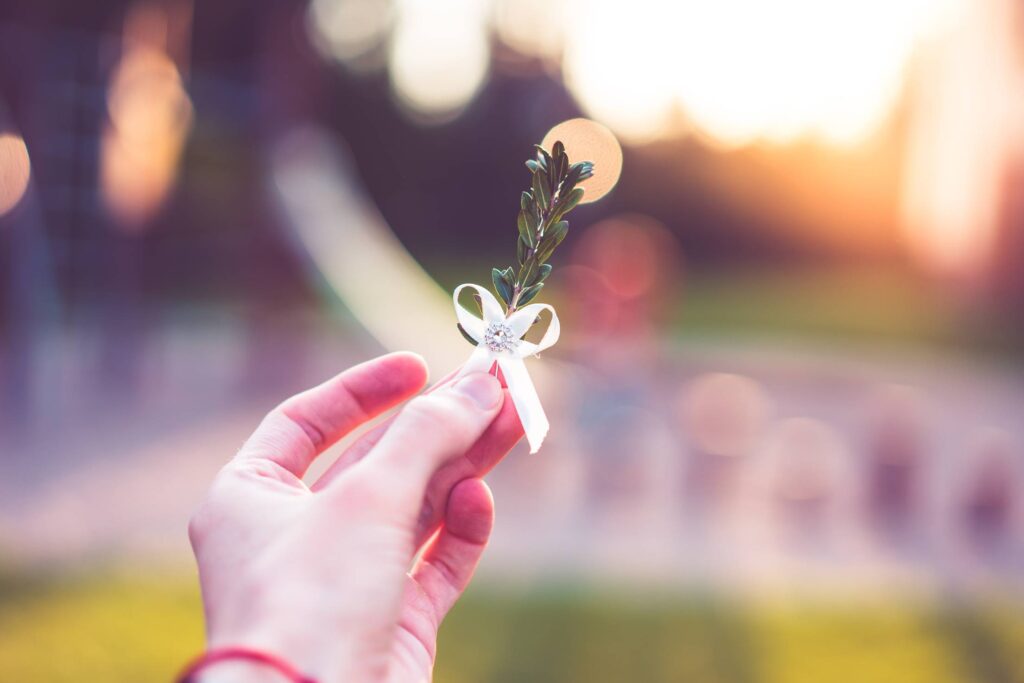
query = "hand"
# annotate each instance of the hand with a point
(321, 576)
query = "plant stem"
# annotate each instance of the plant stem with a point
(516, 291)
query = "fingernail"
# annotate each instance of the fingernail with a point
(483, 389)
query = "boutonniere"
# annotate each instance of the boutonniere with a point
(498, 331)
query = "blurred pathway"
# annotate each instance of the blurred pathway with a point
(622, 490)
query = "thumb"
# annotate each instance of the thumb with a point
(430, 430)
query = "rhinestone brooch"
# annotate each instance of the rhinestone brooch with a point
(499, 337)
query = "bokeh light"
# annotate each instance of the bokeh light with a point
(633, 253)
(352, 246)
(532, 27)
(966, 127)
(587, 140)
(615, 58)
(724, 414)
(743, 70)
(439, 56)
(622, 281)
(150, 116)
(805, 454)
(351, 31)
(15, 170)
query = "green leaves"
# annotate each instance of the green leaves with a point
(525, 200)
(552, 238)
(579, 172)
(552, 195)
(503, 284)
(543, 158)
(529, 293)
(568, 203)
(560, 162)
(541, 190)
(524, 229)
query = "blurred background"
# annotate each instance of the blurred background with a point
(788, 404)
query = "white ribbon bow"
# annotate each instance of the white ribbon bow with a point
(499, 340)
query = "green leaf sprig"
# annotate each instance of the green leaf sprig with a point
(542, 210)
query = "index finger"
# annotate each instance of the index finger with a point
(365, 443)
(495, 443)
(306, 424)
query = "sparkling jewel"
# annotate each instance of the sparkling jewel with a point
(499, 337)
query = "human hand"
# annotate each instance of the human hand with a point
(321, 575)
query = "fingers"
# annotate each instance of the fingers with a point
(365, 443)
(447, 565)
(494, 444)
(502, 434)
(303, 426)
(430, 430)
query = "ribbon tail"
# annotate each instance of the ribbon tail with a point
(527, 402)
(479, 361)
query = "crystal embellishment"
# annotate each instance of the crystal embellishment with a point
(499, 338)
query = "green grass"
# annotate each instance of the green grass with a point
(114, 629)
(881, 306)
(134, 628)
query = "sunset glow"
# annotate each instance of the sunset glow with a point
(739, 71)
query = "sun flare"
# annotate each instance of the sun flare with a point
(743, 70)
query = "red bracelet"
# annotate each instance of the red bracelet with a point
(211, 657)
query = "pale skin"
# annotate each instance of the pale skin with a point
(323, 575)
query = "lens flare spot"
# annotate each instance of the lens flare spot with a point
(351, 31)
(742, 71)
(15, 169)
(587, 140)
(439, 58)
(725, 414)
